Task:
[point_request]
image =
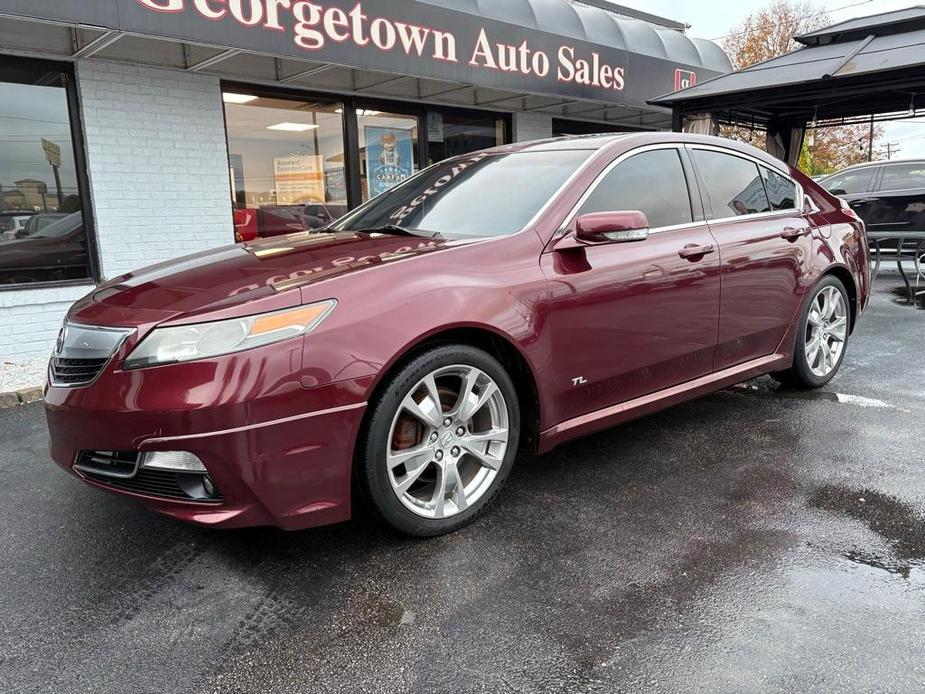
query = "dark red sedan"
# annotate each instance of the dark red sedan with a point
(513, 298)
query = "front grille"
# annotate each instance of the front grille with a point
(75, 372)
(121, 470)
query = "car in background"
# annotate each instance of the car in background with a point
(888, 195)
(317, 215)
(12, 222)
(57, 251)
(38, 222)
(519, 296)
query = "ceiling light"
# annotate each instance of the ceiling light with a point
(232, 98)
(292, 127)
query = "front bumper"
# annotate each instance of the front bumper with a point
(279, 453)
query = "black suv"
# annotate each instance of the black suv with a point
(888, 195)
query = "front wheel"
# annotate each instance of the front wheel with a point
(822, 337)
(440, 442)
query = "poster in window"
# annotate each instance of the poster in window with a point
(389, 158)
(299, 179)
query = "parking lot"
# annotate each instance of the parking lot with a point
(754, 540)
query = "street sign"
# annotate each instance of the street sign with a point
(52, 152)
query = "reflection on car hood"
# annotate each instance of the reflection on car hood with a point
(231, 275)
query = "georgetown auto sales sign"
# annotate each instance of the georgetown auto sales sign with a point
(404, 37)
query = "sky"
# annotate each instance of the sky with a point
(717, 18)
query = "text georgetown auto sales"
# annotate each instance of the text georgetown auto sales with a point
(313, 25)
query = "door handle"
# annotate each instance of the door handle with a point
(792, 233)
(694, 252)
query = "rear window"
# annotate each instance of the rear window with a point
(782, 192)
(903, 176)
(733, 184)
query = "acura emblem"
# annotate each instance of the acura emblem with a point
(62, 336)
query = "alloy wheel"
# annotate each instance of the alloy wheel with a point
(447, 441)
(826, 331)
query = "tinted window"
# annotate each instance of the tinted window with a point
(480, 195)
(903, 176)
(781, 191)
(652, 182)
(853, 181)
(38, 178)
(733, 184)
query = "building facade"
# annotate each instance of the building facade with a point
(137, 131)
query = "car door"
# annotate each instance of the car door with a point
(898, 203)
(766, 251)
(630, 318)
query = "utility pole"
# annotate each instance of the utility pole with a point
(892, 148)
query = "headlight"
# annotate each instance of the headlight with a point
(203, 340)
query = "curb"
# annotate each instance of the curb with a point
(24, 396)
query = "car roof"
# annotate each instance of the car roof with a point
(629, 140)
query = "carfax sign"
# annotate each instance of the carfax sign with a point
(389, 158)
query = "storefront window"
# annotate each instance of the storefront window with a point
(287, 164)
(388, 150)
(451, 134)
(42, 234)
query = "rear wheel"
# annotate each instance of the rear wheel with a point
(822, 337)
(440, 442)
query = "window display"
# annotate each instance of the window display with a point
(287, 164)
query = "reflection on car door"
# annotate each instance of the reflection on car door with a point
(899, 201)
(628, 319)
(766, 250)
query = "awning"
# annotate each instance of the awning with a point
(568, 52)
(850, 70)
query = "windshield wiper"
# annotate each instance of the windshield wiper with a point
(397, 230)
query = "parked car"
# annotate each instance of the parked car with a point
(516, 297)
(12, 222)
(57, 251)
(888, 195)
(317, 215)
(38, 222)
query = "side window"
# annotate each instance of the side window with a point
(849, 182)
(652, 182)
(782, 192)
(733, 184)
(903, 176)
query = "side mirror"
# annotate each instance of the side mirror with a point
(612, 227)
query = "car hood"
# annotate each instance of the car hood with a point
(226, 277)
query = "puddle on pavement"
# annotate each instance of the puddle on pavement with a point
(894, 520)
(787, 394)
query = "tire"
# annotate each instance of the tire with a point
(835, 328)
(422, 476)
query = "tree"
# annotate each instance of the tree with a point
(768, 33)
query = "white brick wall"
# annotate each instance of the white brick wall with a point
(532, 126)
(158, 163)
(158, 168)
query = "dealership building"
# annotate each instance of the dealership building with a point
(135, 131)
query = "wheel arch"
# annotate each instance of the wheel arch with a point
(498, 345)
(844, 274)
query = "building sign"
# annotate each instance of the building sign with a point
(404, 37)
(389, 158)
(52, 152)
(299, 179)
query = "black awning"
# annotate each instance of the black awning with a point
(872, 65)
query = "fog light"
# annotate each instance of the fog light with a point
(208, 485)
(178, 461)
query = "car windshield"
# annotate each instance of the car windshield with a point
(480, 195)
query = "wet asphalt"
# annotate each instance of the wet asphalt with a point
(754, 540)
